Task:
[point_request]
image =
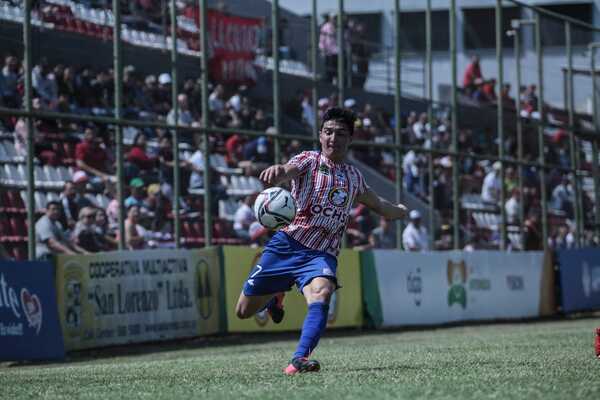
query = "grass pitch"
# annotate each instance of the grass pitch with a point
(545, 360)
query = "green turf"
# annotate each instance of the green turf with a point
(545, 360)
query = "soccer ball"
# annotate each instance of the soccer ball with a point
(274, 208)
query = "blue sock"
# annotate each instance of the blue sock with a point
(314, 325)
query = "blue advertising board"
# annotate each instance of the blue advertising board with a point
(579, 279)
(29, 325)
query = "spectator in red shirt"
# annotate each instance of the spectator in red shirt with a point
(235, 148)
(140, 163)
(472, 73)
(92, 158)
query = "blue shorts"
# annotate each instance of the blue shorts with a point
(285, 261)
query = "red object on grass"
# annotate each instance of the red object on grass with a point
(597, 342)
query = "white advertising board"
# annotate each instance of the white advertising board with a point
(441, 287)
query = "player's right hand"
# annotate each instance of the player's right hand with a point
(273, 174)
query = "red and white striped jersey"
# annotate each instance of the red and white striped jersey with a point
(324, 193)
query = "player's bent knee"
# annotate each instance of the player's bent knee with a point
(320, 291)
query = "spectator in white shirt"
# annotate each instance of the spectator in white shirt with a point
(415, 237)
(44, 84)
(244, 217)
(512, 207)
(421, 127)
(184, 116)
(490, 191)
(215, 100)
(563, 197)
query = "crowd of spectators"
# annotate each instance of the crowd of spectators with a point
(357, 50)
(78, 224)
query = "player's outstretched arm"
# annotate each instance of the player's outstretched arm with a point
(278, 174)
(381, 206)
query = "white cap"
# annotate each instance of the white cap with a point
(497, 165)
(414, 214)
(349, 103)
(80, 176)
(164, 78)
(366, 122)
(323, 101)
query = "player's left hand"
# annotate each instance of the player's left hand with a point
(272, 175)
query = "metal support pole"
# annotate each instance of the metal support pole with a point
(595, 172)
(27, 45)
(117, 66)
(542, 162)
(175, 142)
(398, 116)
(500, 111)
(314, 39)
(341, 48)
(572, 139)
(205, 124)
(517, 49)
(276, 111)
(455, 159)
(430, 169)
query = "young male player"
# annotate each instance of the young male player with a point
(305, 252)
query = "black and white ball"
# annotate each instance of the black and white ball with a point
(275, 208)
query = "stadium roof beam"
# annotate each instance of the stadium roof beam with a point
(398, 116)
(117, 71)
(500, 122)
(175, 138)
(27, 47)
(205, 137)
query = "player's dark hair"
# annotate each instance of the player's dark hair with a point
(343, 115)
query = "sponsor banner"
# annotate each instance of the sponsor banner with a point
(345, 308)
(579, 279)
(441, 287)
(233, 42)
(29, 327)
(137, 296)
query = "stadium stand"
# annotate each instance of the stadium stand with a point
(236, 161)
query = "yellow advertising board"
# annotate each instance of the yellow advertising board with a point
(346, 304)
(136, 296)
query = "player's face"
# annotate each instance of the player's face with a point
(335, 138)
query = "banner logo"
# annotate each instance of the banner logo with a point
(26, 303)
(205, 295)
(457, 279)
(414, 285)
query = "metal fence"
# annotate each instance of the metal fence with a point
(579, 134)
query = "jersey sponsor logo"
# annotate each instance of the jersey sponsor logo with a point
(330, 212)
(338, 197)
(324, 169)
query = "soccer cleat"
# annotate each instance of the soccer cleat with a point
(300, 365)
(276, 310)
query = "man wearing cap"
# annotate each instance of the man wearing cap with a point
(257, 150)
(138, 194)
(490, 190)
(414, 237)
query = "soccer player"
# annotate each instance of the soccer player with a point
(324, 187)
